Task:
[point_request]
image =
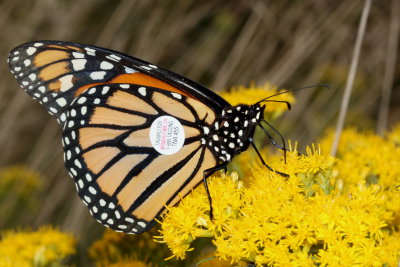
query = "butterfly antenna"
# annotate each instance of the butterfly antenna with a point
(279, 134)
(279, 101)
(294, 90)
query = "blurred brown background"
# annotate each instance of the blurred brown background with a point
(217, 43)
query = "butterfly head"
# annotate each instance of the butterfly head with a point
(233, 130)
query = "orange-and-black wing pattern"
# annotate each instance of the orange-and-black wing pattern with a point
(106, 102)
(122, 179)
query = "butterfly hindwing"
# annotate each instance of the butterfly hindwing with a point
(119, 174)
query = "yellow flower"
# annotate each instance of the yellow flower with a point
(366, 157)
(43, 247)
(307, 219)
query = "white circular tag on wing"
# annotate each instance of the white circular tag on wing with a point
(167, 135)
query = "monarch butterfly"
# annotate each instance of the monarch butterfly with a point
(135, 136)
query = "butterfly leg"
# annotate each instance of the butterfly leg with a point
(273, 142)
(207, 173)
(265, 164)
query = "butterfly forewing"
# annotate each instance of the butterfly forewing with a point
(57, 72)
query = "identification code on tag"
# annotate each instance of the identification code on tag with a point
(167, 135)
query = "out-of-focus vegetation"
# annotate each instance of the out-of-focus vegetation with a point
(218, 43)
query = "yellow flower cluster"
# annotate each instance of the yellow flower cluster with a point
(367, 157)
(44, 247)
(306, 219)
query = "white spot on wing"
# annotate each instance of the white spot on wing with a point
(117, 214)
(78, 55)
(145, 67)
(113, 57)
(66, 82)
(30, 51)
(142, 224)
(129, 220)
(61, 101)
(178, 96)
(142, 91)
(129, 70)
(73, 171)
(105, 65)
(78, 64)
(97, 75)
(92, 190)
(81, 100)
(63, 118)
(90, 51)
(105, 90)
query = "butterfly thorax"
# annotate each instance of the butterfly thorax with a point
(233, 130)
